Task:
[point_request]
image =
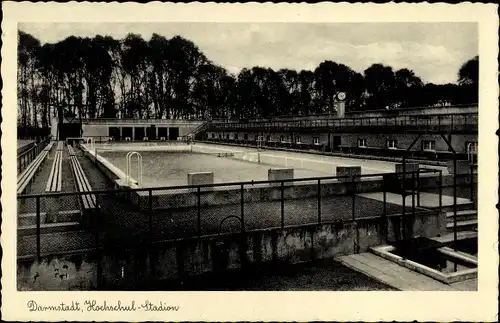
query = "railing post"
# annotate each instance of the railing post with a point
(198, 219)
(440, 191)
(319, 201)
(471, 183)
(242, 197)
(384, 216)
(413, 194)
(282, 204)
(150, 212)
(38, 247)
(353, 185)
(418, 187)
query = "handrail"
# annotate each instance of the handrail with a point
(166, 188)
(139, 166)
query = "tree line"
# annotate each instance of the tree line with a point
(103, 77)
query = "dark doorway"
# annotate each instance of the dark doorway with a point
(151, 132)
(337, 142)
(69, 130)
(163, 132)
(139, 133)
(126, 133)
(114, 133)
(173, 133)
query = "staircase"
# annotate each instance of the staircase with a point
(466, 220)
(194, 133)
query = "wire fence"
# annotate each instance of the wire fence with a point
(132, 217)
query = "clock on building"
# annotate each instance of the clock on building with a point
(341, 96)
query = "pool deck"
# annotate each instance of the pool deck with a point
(401, 278)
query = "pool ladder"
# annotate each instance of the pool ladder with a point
(139, 166)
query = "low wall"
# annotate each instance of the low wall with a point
(176, 260)
(113, 173)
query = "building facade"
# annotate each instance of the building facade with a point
(434, 133)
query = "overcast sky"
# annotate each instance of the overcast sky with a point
(434, 51)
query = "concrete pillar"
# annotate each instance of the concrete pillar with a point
(133, 133)
(201, 179)
(340, 105)
(275, 174)
(349, 172)
(156, 133)
(145, 132)
(121, 133)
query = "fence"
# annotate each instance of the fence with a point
(463, 122)
(26, 157)
(133, 217)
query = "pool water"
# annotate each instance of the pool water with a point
(162, 168)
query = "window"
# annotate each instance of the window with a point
(256, 137)
(227, 136)
(392, 144)
(297, 140)
(268, 138)
(245, 136)
(316, 140)
(282, 138)
(220, 136)
(235, 136)
(428, 145)
(213, 135)
(361, 142)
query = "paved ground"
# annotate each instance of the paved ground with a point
(322, 275)
(398, 277)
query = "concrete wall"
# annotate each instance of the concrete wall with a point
(90, 130)
(174, 260)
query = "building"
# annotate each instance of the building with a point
(381, 132)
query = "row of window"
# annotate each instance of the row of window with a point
(427, 145)
(283, 139)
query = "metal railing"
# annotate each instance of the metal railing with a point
(26, 157)
(144, 215)
(438, 122)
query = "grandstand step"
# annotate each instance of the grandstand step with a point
(462, 225)
(462, 215)
(48, 228)
(63, 216)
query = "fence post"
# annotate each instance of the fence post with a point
(471, 183)
(418, 187)
(198, 220)
(242, 208)
(38, 247)
(150, 212)
(353, 188)
(440, 191)
(319, 201)
(282, 204)
(384, 216)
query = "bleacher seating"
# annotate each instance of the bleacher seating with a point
(26, 176)
(89, 201)
(54, 183)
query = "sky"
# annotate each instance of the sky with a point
(434, 51)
